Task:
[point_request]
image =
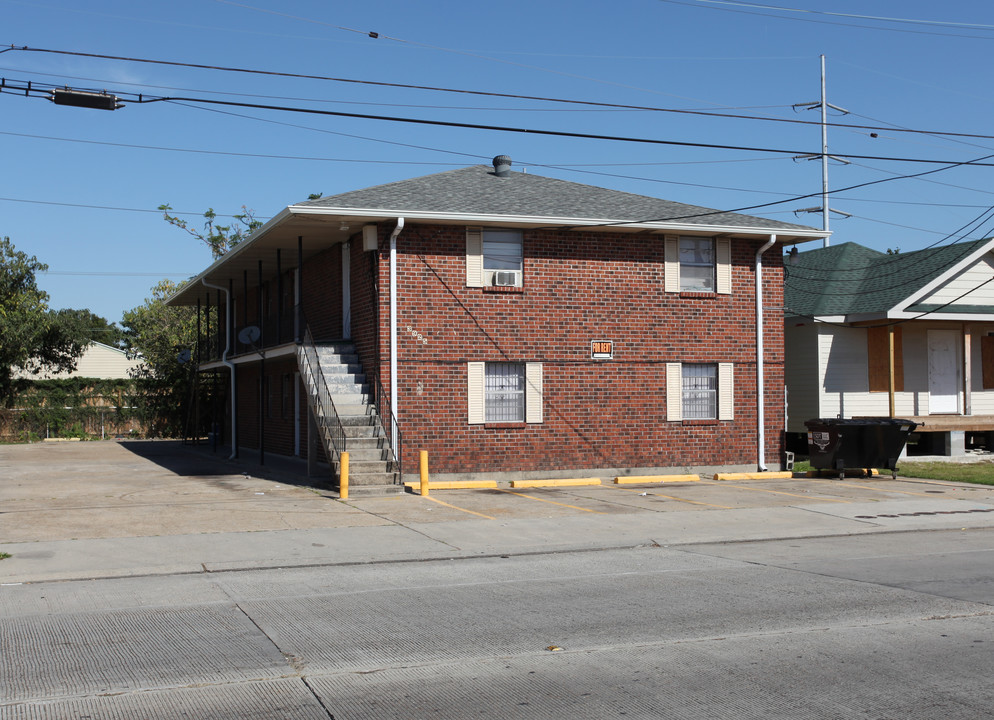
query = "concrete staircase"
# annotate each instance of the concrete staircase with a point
(371, 461)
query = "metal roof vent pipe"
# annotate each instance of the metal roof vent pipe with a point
(502, 165)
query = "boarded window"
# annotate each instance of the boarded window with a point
(878, 357)
(987, 360)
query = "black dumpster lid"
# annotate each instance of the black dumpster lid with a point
(859, 421)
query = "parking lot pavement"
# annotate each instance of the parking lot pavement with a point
(75, 510)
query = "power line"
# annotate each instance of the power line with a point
(513, 96)
(106, 207)
(820, 21)
(539, 131)
(910, 21)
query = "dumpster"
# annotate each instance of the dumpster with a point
(864, 443)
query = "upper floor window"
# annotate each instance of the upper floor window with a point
(697, 264)
(501, 257)
(493, 257)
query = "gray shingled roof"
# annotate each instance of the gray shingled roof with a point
(477, 190)
(849, 278)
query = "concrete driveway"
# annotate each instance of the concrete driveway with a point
(94, 509)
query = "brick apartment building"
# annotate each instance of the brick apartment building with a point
(509, 324)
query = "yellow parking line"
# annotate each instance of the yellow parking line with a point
(532, 497)
(694, 502)
(471, 512)
(776, 492)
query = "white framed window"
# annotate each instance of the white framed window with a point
(504, 392)
(493, 257)
(698, 264)
(700, 391)
(699, 396)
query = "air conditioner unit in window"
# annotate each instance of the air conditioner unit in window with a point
(505, 277)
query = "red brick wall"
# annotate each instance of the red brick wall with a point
(578, 287)
(321, 287)
(277, 420)
(366, 303)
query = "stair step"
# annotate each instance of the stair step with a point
(365, 455)
(365, 442)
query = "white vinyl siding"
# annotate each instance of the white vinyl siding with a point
(701, 270)
(973, 286)
(801, 369)
(686, 397)
(492, 403)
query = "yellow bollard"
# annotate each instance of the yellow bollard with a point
(343, 478)
(424, 473)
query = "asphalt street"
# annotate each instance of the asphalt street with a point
(245, 597)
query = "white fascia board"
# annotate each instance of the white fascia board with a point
(606, 224)
(945, 277)
(241, 247)
(933, 316)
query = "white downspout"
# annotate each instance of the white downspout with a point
(393, 331)
(228, 363)
(760, 369)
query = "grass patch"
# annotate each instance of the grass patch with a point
(981, 473)
(4, 556)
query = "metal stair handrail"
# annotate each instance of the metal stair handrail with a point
(325, 413)
(388, 421)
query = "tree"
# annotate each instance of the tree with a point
(32, 337)
(159, 333)
(99, 329)
(219, 238)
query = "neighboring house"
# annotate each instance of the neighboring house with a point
(909, 335)
(97, 361)
(519, 326)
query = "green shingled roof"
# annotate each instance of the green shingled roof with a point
(851, 279)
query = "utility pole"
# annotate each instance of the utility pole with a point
(824, 105)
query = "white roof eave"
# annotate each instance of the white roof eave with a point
(539, 220)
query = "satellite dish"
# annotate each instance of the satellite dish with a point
(184, 356)
(249, 335)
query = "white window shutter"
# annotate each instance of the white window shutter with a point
(671, 256)
(476, 393)
(474, 257)
(674, 392)
(723, 261)
(533, 392)
(726, 391)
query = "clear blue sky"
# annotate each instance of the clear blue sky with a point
(80, 186)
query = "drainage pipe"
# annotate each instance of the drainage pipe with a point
(393, 332)
(230, 365)
(760, 368)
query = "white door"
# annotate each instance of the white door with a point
(943, 371)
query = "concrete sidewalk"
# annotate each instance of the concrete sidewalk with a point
(92, 510)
